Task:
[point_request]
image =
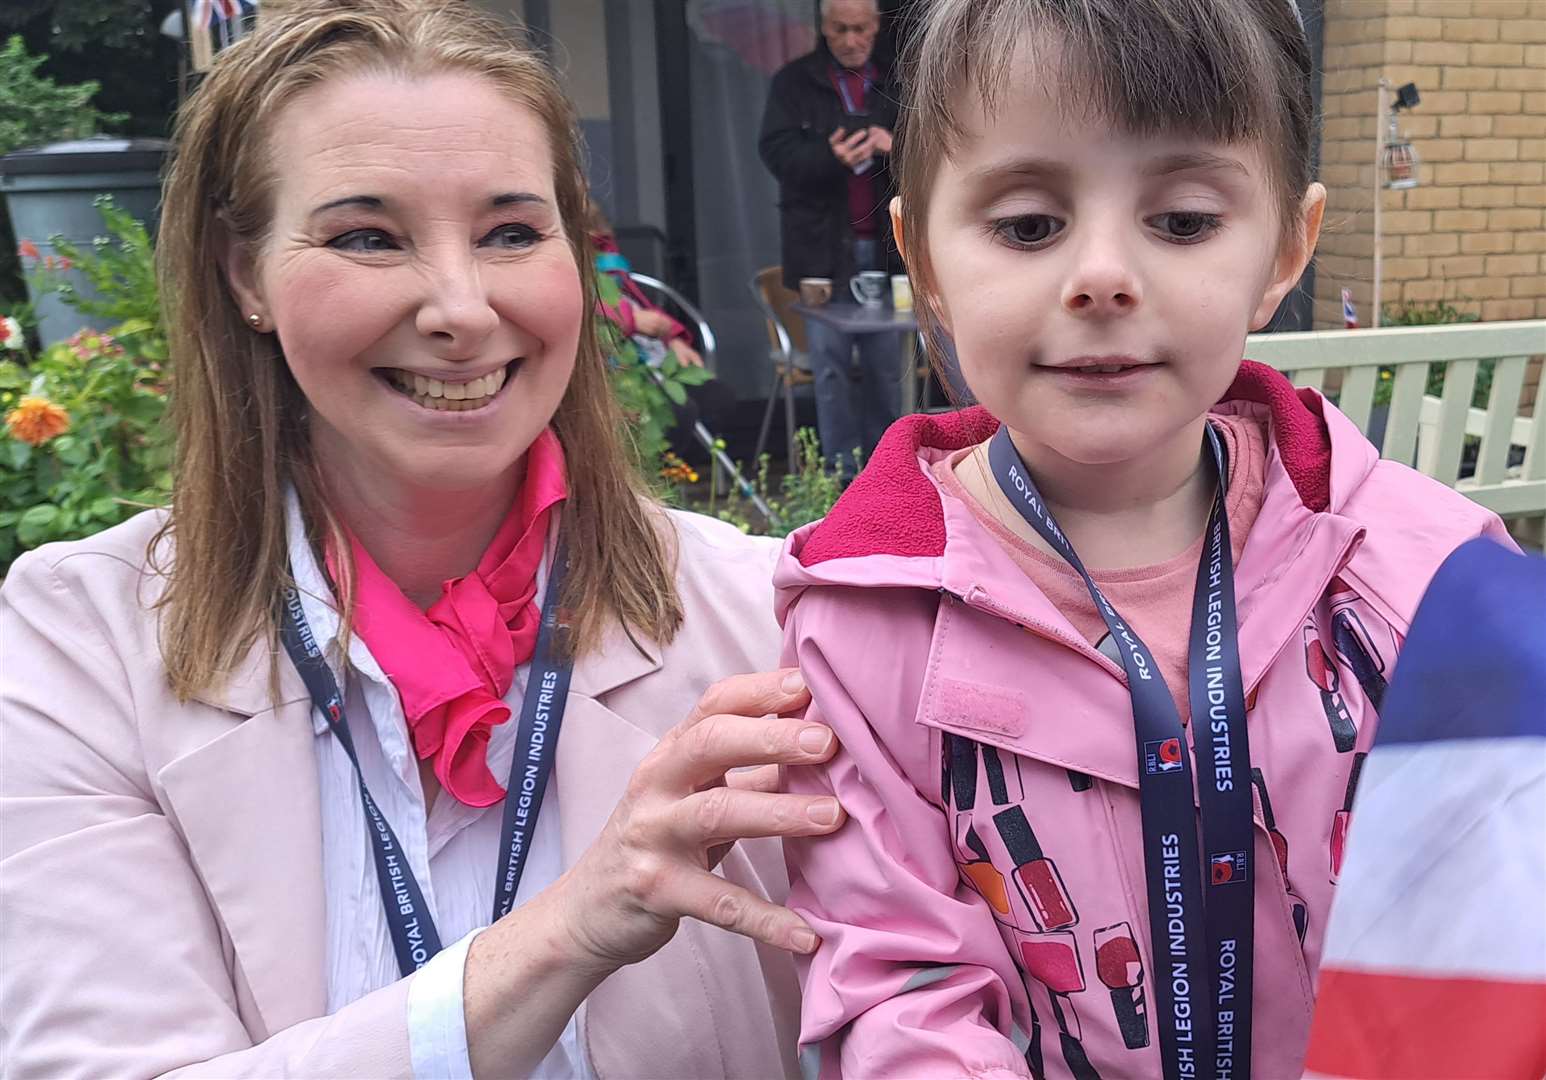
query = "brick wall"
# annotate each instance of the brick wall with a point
(1472, 233)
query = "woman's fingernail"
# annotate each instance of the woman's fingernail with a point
(815, 738)
(792, 683)
(823, 811)
(803, 940)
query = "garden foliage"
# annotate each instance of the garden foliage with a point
(85, 444)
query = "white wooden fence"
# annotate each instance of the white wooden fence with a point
(1427, 431)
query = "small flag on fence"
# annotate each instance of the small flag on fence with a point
(1349, 312)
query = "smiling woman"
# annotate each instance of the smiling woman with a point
(435, 251)
(255, 751)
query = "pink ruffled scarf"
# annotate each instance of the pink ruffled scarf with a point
(453, 664)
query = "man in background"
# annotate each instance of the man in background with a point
(826, 138)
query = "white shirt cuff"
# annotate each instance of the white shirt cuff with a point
(437, 1020)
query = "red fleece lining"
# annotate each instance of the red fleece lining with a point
(892, 508)
(1299, 429)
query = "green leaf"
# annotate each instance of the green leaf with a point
(119, 270)
(694, 376)
(20, 453)
(12, 375)
(35, 525)
(144, 409)
(105, 507)
(71, 450)
(130, 327)
(608, 291)
(675, 392)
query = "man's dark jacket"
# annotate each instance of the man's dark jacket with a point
(803, 111)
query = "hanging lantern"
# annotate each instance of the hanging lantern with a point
(1398, 161)
(1397, 158)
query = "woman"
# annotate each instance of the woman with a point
(634, 313)
(392, 423)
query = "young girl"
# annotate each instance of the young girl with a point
(1047, 868)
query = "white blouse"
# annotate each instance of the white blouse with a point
(452, 852)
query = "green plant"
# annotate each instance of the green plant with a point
(1424, 313)
(1430, 313)
(646, 393)
(803, 495)
(34, 109)
(85, 445)
(120, 269)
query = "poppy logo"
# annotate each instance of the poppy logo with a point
(1162, 756)
(1228, 867)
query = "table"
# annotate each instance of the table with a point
(855, 319)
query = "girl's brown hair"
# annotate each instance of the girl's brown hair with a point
(1227, 70)
(239, 415)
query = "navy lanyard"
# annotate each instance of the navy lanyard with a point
(414, 936)
(1203, 944)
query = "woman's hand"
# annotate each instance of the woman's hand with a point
(712, 780)
(684, 807)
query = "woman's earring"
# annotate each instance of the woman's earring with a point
(255, 319)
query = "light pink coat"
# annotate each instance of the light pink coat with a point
(161, 898)
(927, 649)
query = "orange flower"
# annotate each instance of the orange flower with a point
(36, 420)
(28, 250)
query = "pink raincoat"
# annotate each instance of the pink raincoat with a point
(983, 912)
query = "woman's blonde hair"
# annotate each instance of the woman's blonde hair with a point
(239, 415)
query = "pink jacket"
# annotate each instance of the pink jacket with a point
(161, 898)
(964, 701)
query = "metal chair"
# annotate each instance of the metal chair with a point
(700, 325)
(653, 288)
(786, 350)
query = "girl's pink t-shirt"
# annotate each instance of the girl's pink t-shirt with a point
(1157, 599)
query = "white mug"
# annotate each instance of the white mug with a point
(869, 287)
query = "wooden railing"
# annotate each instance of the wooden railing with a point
(1426, 431)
